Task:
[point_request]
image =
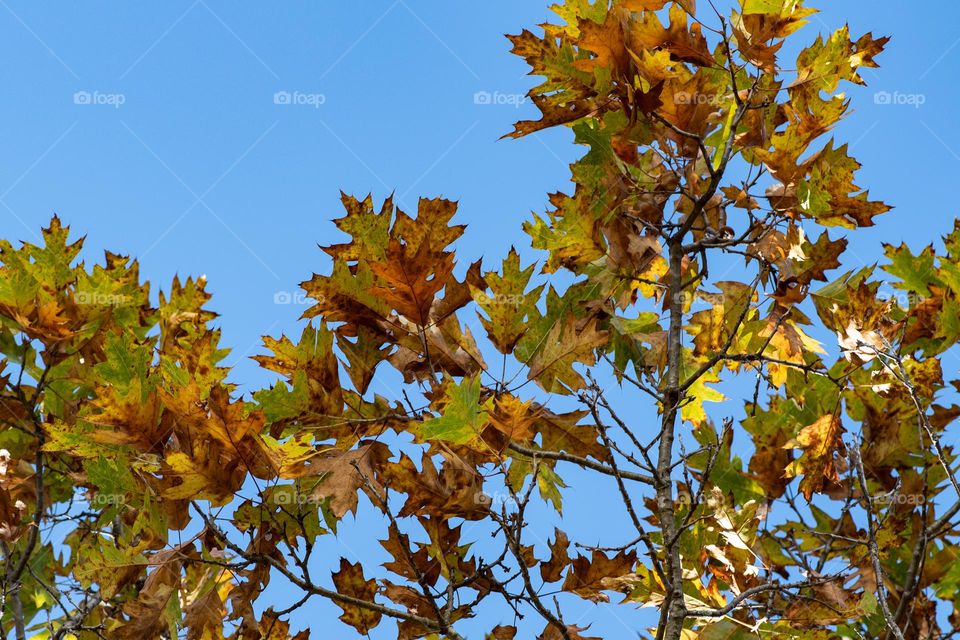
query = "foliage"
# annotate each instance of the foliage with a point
(141, 496)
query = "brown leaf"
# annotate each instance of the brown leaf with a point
(272, 628)
(501, 632)
(684, 43)
(554, 113)
(146, 614)
(11, 515)
(454, 491)
(559, 559)
(573, 633)
(606, 42)
(586, 578)
(407, 562)
(349, 581)
(344, 473)
(203, 615)
(821, 462)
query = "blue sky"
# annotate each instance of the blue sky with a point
(155, 129)
(198, 171)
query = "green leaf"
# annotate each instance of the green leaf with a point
(762, 6)
(549, 484)
(462, 416)
(916, 272)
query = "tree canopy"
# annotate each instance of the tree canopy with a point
(143, 496)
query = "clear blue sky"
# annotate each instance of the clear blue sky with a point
(199, 171)
(182, 156)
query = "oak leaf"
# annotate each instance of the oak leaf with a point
(821, 462)
(350, 582)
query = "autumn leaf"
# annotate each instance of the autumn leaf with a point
(821, 461)
(463, 418)
(509, 308)
(564, 345)
(155, 610)
(350, 582)
(552, 570)
(342, 474)
(572, 631)
(586, 578)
